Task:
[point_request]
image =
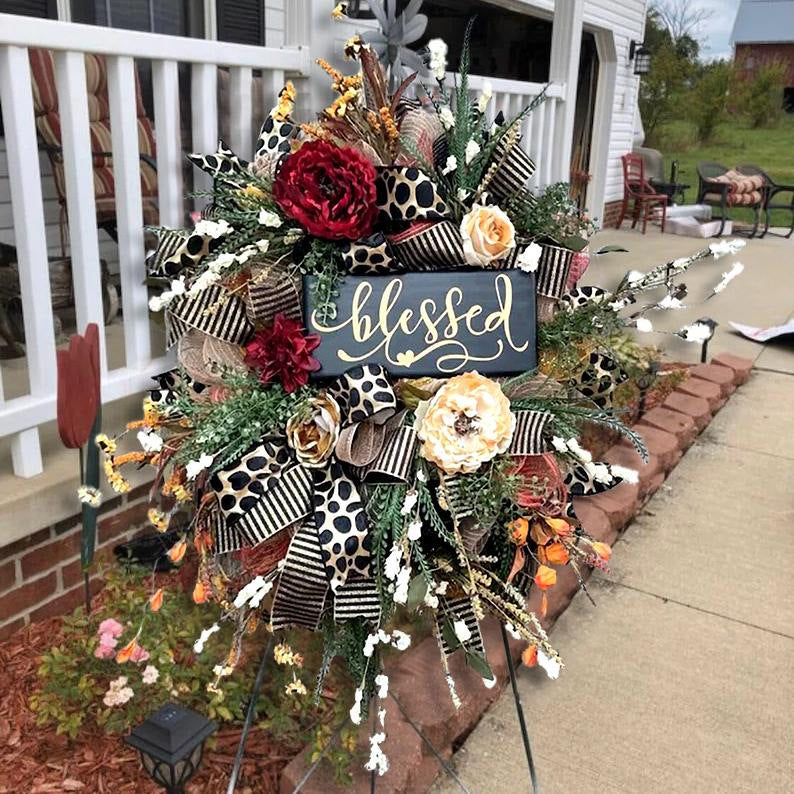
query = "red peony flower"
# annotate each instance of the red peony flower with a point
(329, 190)
(282, 353)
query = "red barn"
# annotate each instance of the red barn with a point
(764, 31)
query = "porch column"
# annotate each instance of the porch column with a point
(566, 44)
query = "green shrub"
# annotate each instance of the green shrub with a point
(709, 98)
(74, 682)
(761, 96)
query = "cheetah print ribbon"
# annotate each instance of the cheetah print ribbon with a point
(221, 165)
(369, 256)
(589, 479)
(599, 378)
(178, 249)
(404, 193)
(169, 384)
(580, 296)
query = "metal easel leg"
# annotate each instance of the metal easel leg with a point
(520, 711)
(249, 715)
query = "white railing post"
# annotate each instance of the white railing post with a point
(31, 243)
(21, 416)
(204, 112)
(80, 202)
(566, 44)
(240, 83)
(129, 209)
(170, 198)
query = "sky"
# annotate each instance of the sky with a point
(716, 31)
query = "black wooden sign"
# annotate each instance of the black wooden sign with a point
(436, 324)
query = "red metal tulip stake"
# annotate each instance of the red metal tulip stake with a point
(79, 422)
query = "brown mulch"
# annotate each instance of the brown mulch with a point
(34, 760)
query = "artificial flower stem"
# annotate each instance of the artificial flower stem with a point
(267, 654)
(519, 710)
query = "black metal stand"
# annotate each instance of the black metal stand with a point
(249, 715)
(520, 711)
(704, 352)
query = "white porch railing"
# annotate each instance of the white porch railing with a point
(537, 129)
(21, 416)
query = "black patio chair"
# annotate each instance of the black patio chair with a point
(722, 187)
(773, 189)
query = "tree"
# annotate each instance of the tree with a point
(660, 89)
(709, 98)
(761, 92)
(683, 22)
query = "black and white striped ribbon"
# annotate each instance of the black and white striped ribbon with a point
(516, 168)
(357, 598)
(302, 586)
(454, 486)
(225, 537)
(287, 502)
(273, 293)
(393, 463)
(213, 311)
(552, 273)
(528, 434)
(429, 246)
(455, 609)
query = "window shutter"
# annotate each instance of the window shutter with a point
(46, 9)
(241, 21)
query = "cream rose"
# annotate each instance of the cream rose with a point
(466, 423)
(314, 430)
(488, 235)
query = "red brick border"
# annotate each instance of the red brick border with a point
(667, 431)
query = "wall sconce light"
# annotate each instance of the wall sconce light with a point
(641, 56)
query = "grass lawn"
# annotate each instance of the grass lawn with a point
(734, 144)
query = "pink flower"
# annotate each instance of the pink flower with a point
(139, 654)
(106, 647)
(110, 627)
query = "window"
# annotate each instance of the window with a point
(241, 21)
(46, 9)
(174, 17)
(504, 43)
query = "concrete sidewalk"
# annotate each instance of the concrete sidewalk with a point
(680, 680)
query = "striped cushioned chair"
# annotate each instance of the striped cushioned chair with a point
(48, 124)
(725, 188)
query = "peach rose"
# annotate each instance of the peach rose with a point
(488, 235)
(466, 423)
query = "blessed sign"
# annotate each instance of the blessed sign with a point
(429, 323)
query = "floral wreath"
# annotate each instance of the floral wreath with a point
(334, 506)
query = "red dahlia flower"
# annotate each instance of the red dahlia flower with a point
(329, 190)
(282, 354)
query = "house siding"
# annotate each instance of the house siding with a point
(626, 20)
